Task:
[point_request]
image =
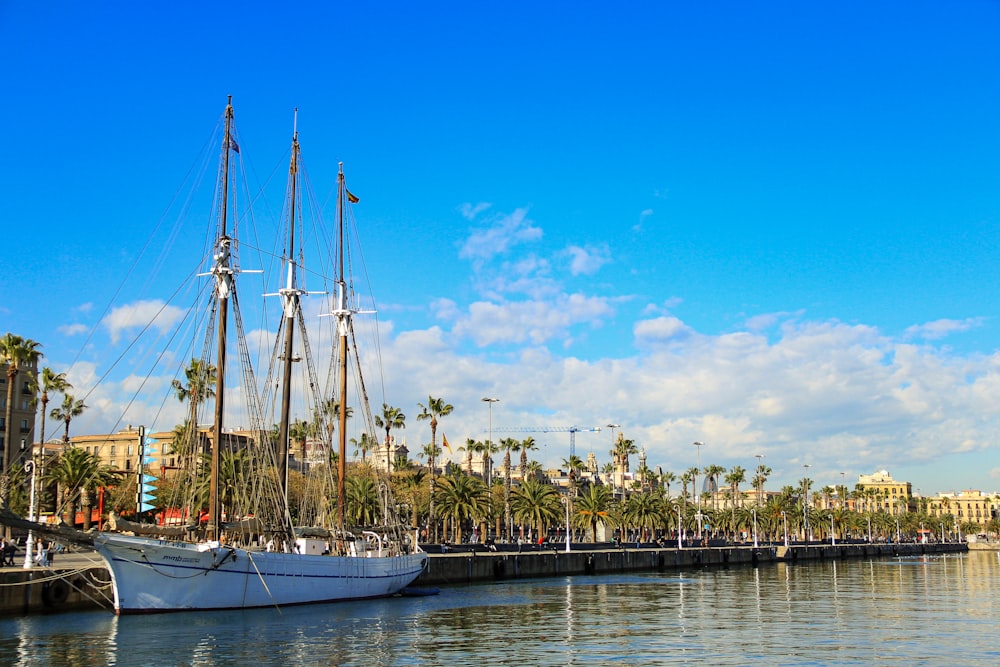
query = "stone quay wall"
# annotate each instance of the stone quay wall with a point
(81, 581)
(481, 566)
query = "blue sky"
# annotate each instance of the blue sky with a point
(770, 227)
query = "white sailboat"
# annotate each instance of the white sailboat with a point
(225, 570)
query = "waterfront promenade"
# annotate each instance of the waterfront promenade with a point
(80, 580)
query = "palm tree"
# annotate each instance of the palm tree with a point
(469, 448)
(685, 480)
(760, 476)
(15, 352)
(644, 511)
(461, 498)
(77, 472)
(54, 382)
(364, 445)
(65, 413)
(507, 444)
(391, 418)
(300, 431)
(736, 476)
(435, 408)
(693, 474)
(525, 446)
(537, 504)
(362, 501)
(574, 465)
(594, 506)
(713, 472)
(201, 379)
(623, 450)
(667, 478)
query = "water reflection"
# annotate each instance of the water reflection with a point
(836, 612)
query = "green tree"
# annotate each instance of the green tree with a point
(70, 409)
(536, 504)
(199, 386)
(363, 507)
(713, 472)
(432, 412)
(593, 507)
(391, 418)
(50, 381)
(737, 475)
(299, 431)
(461, 498)
(78, 473)
(644, 512)
(525, 446)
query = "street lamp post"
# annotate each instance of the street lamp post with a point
(760, 487)
(754, 527)
(784, 521)
(488, 462)
(566, 501)
(489, 443)
(29, 542)
(805, 502)
(833, 530)
(614, 486)
(697, 496)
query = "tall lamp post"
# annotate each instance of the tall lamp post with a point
(805, 501)
(697, 496)
(784, 521)
(566, 502)
(489, 443)
(614, 486)
(488, 461)
(760, 464)
(754, 527)
(29, 542)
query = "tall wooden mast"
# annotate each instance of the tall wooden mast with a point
(223, 272)
(343, 315)
(290, 294)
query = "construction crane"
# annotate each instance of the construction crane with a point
(572, 430)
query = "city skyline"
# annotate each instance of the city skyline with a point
(771, 229)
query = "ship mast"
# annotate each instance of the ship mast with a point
(343, 314)
(289, 294)
(223, 272)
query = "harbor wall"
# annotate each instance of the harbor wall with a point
(43, 591)
(478, 566)
(79, 582)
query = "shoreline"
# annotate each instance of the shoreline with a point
(80, 581)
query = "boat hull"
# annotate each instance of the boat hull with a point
(150, 575)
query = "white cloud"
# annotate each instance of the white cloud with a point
(73, 329)
(535, 322)
(503, 233)
(588, 260)
(660, 329)
(155, 313)
(470, 211)
(637, 227)
(940, 328)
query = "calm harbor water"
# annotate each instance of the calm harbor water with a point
(927, 611)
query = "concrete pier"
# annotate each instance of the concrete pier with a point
(480, 566)
(81, 581)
